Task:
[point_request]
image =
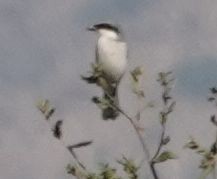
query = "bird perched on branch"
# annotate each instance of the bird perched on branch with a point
(111, 58)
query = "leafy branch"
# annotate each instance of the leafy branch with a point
(96, 77)
(106, 171)
(165, 81)
(129, 167)
(48, 111)
(209, 155)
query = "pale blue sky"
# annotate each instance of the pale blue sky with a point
(44, 48)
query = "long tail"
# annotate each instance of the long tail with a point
(112, 96)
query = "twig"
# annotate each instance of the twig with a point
(160, 143)
(144, 147)
(152, 166)
(165, 98)
(152, 163)
(73, 154)
(142, 142)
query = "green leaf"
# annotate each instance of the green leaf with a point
(194, 145)
(108, 173)
(136, 73)
(166, 140)
(71, 169)
(213, 120)
(103, 103)
(43, 105)
(163, 117)
(164, 156)
(89, 79)
(76, 171)
(46, 109)
(103, 83)
(92, 176)
(213, 90)
(164, 78)
(135, 76)
(129, 167)
(171, 107)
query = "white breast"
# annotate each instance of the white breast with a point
(112, 56)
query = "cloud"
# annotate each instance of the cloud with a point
(43, 50)
(195, 76)
(114, 11)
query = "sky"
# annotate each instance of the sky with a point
(44, 48)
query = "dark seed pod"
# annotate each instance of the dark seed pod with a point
(57, 131)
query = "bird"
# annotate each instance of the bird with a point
(111, 57)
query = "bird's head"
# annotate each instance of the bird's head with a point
(105, 29)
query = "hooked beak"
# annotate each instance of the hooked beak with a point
(91, 29)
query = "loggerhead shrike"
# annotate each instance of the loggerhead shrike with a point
(111, 56)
